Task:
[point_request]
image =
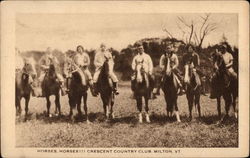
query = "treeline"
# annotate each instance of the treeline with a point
(154, 47)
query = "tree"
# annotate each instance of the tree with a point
(194, 31)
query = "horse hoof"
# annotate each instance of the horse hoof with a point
(148, 119)
(178, 121)
(88, 122)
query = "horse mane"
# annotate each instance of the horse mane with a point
(103, 75)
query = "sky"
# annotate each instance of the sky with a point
(66, 31)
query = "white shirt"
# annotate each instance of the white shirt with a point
(146, 62)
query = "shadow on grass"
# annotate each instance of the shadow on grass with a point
(215, 119)
(132, 120)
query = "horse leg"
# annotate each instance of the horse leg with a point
(78, 105)
(228, 102)
(111, 110)
(197, 102)
(190, 105)
(234, 106)
(85, 97)
(139, 107)
(105, 109)
(27, 99)
(48, 106)
(167, 105)
(58, 105)
(219, 106)
(177, 111)
(147, 109)
(18, 106)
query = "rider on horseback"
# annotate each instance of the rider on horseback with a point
(45, 63)
(228, 60)
(82, 61)
(20, 65)
(146, 60)
(174, 63)
(192, 59)
(99, 60)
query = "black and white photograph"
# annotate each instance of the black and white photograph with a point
(116, 81)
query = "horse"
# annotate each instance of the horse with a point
(77, 91)
(23, 85)
(227, 88)
(50, 86)
(105, 88)
(142, 89)
(193, 90)
(170, 89)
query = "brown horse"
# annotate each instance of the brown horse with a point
(105, 88)
(193, 90)
(227, 87)
(170, 89)
(76, 92)
(23, 85)
(142, 89)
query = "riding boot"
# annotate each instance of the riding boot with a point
(212, 94)
(115, 88)
(63, 91)
(181, 90)
(94, 89)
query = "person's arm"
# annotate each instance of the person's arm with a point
(98, 60)
(231, 59)
(88, 59)
(176, 62)
(42, 63)
(150, 65)
(161, 63)
(55, 60)
(198, 60)
(133, 63)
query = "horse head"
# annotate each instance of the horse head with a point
(168, 71)
(29, 67)
(139, 71)
(186, 75)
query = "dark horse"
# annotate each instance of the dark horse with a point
(105, 88)
(76, 92)
(142, 89)
(23, 85)
(170, 89)
(227, 87)
(50, 86)
(193, 90)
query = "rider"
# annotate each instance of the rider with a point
(99, 60)
(174, 63)
(147, 64)
(46, 60)
(228, 60)
(193, 60)
(82, 61)
(20, 62)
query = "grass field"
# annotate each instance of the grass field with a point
(124, 130)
